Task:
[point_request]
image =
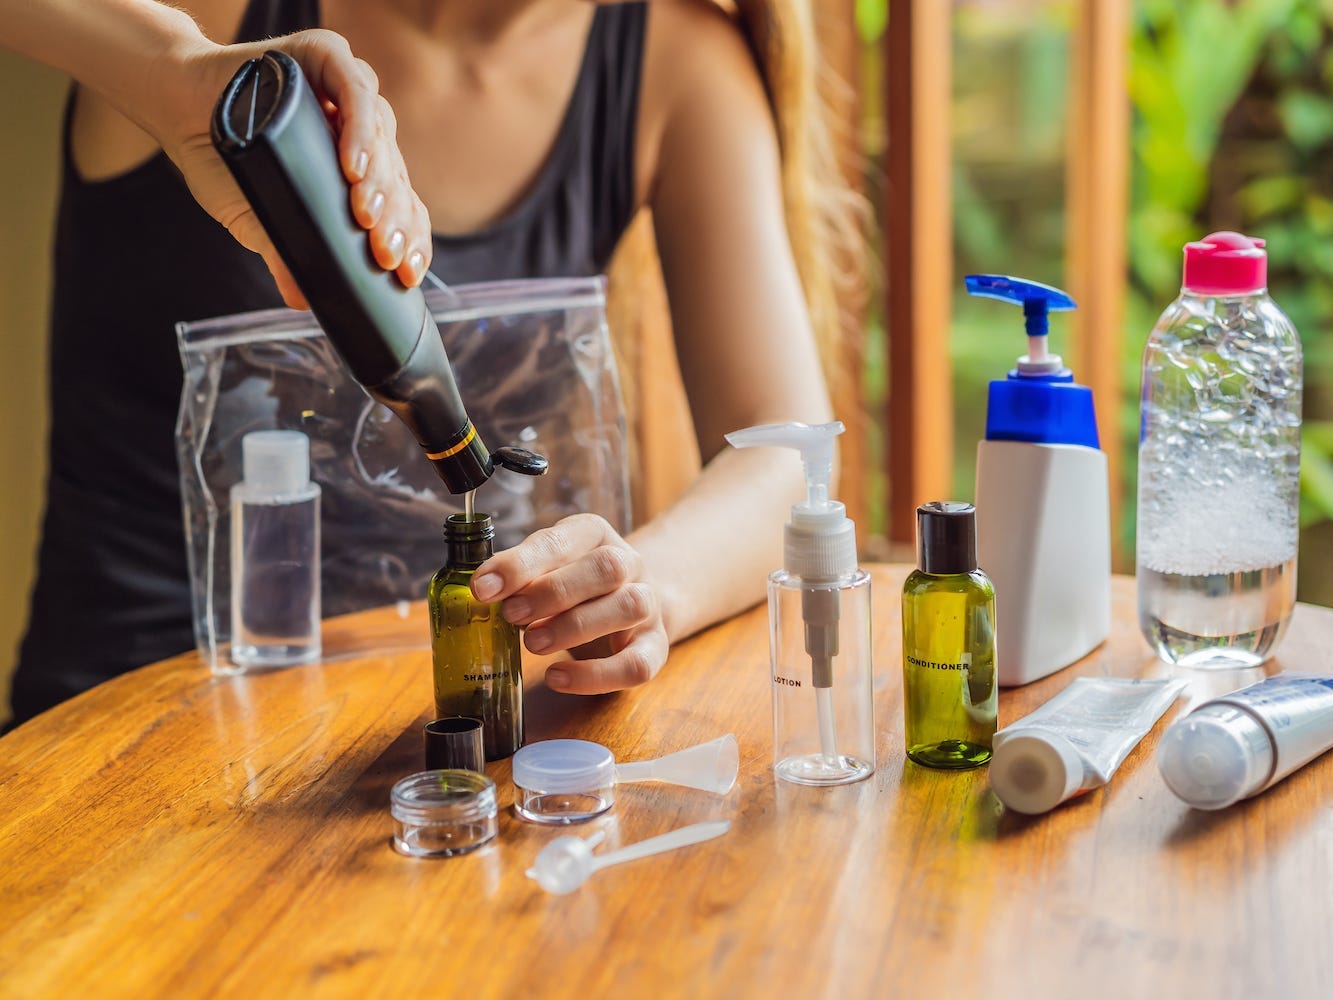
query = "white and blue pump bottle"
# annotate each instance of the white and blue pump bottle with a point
(1043, 501)
(819, 625)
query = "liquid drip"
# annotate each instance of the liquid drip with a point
(470, 504)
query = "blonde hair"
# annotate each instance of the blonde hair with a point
(823, 217)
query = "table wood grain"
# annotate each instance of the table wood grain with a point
(175, 833)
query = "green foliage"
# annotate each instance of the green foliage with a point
(1316, 472)
(1233, 124)
(1233, 129)
(872, 16)
(1189, 63)
(1307, 117)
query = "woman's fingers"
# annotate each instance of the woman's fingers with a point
(593, 574)
(420, 247)
(622, 609)
(542, 552)
(358, 126)
(637, 663)
(350, 84)
(382, 198)
(579, 586)
(384, 203)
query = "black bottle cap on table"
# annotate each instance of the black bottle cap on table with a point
(455, 743)
(946, 537)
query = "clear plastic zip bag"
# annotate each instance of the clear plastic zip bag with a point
(534, 364)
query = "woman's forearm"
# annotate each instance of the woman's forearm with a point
(710, 553)
(115, 47)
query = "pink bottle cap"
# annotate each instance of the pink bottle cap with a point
(1225, 264)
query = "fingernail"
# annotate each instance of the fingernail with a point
(396, 242)
(539, 640)
(518, 609)
(486, 586)
(556, 678)
(376, 205)
(416, 263)
(362, 162)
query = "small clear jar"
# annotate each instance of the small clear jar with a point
(563, 781)
(443, 813)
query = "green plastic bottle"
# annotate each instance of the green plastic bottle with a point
(475, 652)
(949, 688)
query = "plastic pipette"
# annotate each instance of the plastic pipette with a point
(567, 862)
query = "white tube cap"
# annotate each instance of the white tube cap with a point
(1215, 756)
(1033, 772)
(275, 463)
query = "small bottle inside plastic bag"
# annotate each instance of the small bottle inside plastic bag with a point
(275, 603)
(534, 363)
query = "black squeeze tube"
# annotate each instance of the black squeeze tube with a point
(272, 134)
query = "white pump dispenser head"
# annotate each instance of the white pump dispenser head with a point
(820, 539)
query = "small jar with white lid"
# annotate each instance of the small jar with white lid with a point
(563, 781)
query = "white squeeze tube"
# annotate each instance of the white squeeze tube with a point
(1245, 742)
(1075, 741)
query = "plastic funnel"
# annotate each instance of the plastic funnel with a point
(567, 862)
(710, 767)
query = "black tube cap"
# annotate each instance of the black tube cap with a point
(455, 743)
(520, 460)
(946, 537)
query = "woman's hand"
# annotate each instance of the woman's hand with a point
(579, 586)
(382, 198)
(153, 65)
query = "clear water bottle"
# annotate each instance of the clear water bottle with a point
(275, 606)
(1219, 463)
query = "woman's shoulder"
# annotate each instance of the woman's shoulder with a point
(695, 43)
(699, 68)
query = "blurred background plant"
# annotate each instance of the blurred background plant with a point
(1232, 129)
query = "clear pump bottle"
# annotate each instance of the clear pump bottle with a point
(275, 608)
(474, 650)
(950, 698)
(819, 626)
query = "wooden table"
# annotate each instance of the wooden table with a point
(175, 833)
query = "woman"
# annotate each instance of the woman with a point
(534, 130)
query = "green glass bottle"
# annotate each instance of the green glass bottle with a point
(949, 690)
(475, 652)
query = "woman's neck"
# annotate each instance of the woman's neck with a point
(477, 21)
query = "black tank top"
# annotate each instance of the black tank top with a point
(134, 255)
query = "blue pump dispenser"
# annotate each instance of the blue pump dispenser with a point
(1043, 515)
(1039, 401)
